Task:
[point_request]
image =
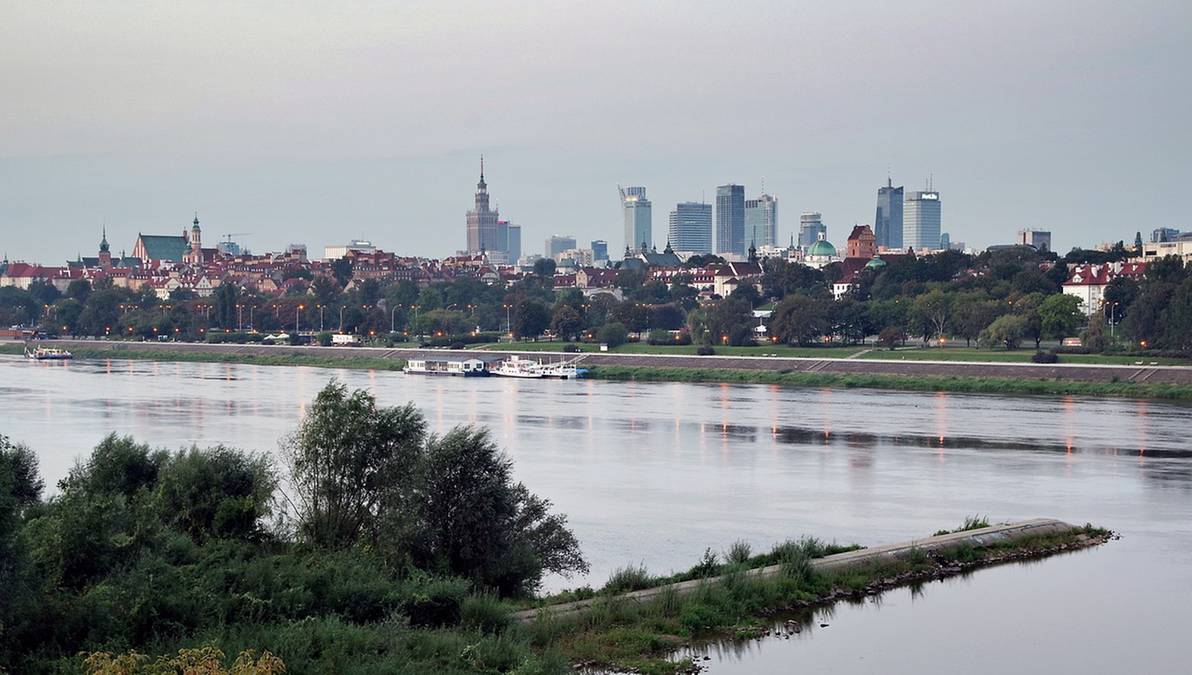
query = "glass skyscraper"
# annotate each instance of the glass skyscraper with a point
(887, 224)
(922, 214)
(761, 221)
(691, 227)
(638, 230)
(730, 219)
(811, 226)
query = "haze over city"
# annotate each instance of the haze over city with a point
(315, 124)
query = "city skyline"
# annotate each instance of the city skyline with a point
(341, 124)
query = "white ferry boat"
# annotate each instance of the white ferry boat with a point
(462, 368)
(48, 354)
(516, 366)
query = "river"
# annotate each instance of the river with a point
(654, 473)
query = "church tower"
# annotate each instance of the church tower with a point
(196, 242)
(105, 252)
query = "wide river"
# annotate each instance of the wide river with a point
(655, 473)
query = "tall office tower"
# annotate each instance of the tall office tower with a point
(599, 249)
(730, 219)
(761, 221)
(637, 217)
(690, 227)
(811, 226)
(557, 244)
(514, 249)
(887, 224)
(1164, 234)
(922, 220)
(1040, 239)
(482, 221)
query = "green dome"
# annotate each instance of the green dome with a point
(822, 248)
(875, 263)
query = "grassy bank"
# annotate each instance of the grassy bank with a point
(682, 350)
(1015, 356)
(280, 359)
(643, 637)
(976, 385)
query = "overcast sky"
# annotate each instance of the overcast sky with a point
(318, 122)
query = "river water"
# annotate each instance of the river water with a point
(655, 473)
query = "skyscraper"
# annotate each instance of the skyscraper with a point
(482, 221)
(887, 224)
(514, 250)
(638, 229)
(691, 227)
(599, 250)
(761, 221)
(811, 226)
(730, 219)
(557, 244)
(1040, 239)
(922, 225)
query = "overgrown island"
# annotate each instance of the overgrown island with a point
(370, 546)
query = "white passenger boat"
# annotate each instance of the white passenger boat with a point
(48, 354)
(460, 368)
(516, 366)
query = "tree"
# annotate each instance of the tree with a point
(971, 315)
(891, 337)
(1060, 315)
(729, 322)
(1006, 331)
(800, 320)
(850, 320)
(349, 464)
(476, 522)
(933, 311)
(215, 492)
(613, 334)
(666, 317)
(79, 289)
(342, 269)
(544, 268)
(18, 473)
(1177, 333)
(326, 290)
(567, 323)
(530, 319)
(227, 296)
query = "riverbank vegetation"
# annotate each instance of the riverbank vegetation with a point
(963, 384)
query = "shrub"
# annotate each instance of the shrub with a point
(705, 350)
(629, 579)
(891, 337)
(1045, 357)
(433, 603)
(571, 348)
(738, 553)
(324, 339)
(613, 334)
(484, 613)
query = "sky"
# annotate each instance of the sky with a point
(318, 122)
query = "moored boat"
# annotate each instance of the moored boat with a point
(48, 354)
(460, 368)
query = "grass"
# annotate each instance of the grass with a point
(616, 633)
(1022, 355)
(282, 359)
(684, 350)
(965, 384)
(970, 523)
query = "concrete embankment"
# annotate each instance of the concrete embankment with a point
(1141, 374)
(977, 539)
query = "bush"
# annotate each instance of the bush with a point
(891, 337)
(705, 350)
(632, 578)
(485, 613)
(613, 334)
(432, 603)
(571, 349)
(666, 337)
(324, 339)
(1045, 357)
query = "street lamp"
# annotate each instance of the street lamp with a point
(393, 319)
(321, 308)
(297, 309)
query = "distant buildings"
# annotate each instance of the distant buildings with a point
(513, 241)
(862, 243)
(1179, 246)
(1040, 239)
(921, 229)
(599, 250)
(730, 219)
(1088, 282)
(1162, 234)
(482, 220)
(811, 229)
(761, 221)
(887, 223)
(356, 246)
(637, 213)
(557, 244)
(690, 227)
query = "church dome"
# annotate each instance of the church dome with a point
(875, 264)
(822, 248)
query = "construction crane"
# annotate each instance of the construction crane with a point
(228, 237)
